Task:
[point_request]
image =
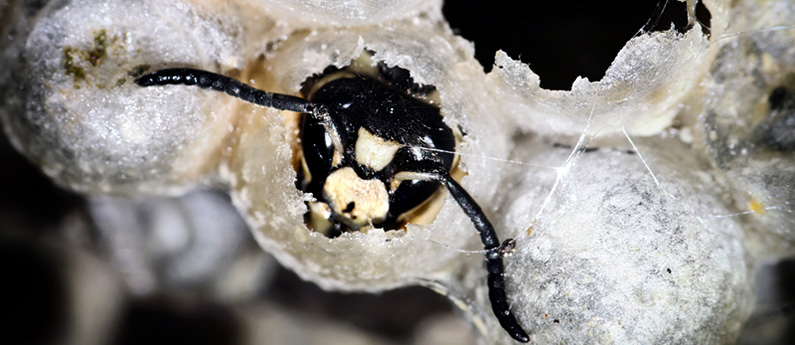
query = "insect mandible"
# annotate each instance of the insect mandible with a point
(373, 152)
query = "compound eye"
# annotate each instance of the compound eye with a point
(409, 195)
(415, 200)
(318, 155)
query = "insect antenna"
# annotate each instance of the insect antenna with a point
(430, 171)
(494, 265)
(424, 170)
(232, 87)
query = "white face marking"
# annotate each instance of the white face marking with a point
(414, 176)
(336, 159)
(374, 152)
(359, 202)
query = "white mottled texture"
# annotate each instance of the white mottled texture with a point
(88, 126)
(640, 92)
(621, 251)
(262, 172)
(343, 12)
(747, 124)
(618, 259)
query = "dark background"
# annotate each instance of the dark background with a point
(561, 40)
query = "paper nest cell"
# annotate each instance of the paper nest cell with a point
(622, 258)
(357, 260)
(310, 13)
(88, 126)
(655, 237)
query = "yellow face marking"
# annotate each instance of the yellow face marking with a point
(336, 159)
(320, 214)
(358, 202)
(374, 152)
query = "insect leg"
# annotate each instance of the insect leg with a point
(217, 82)
(494, 265)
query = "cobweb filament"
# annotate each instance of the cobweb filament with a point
(654, 19)
(485, 157)
(752, 32)
(457, 250)
(561, 171)
(646, 164)
(737, 214)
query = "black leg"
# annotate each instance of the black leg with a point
(205, 80)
